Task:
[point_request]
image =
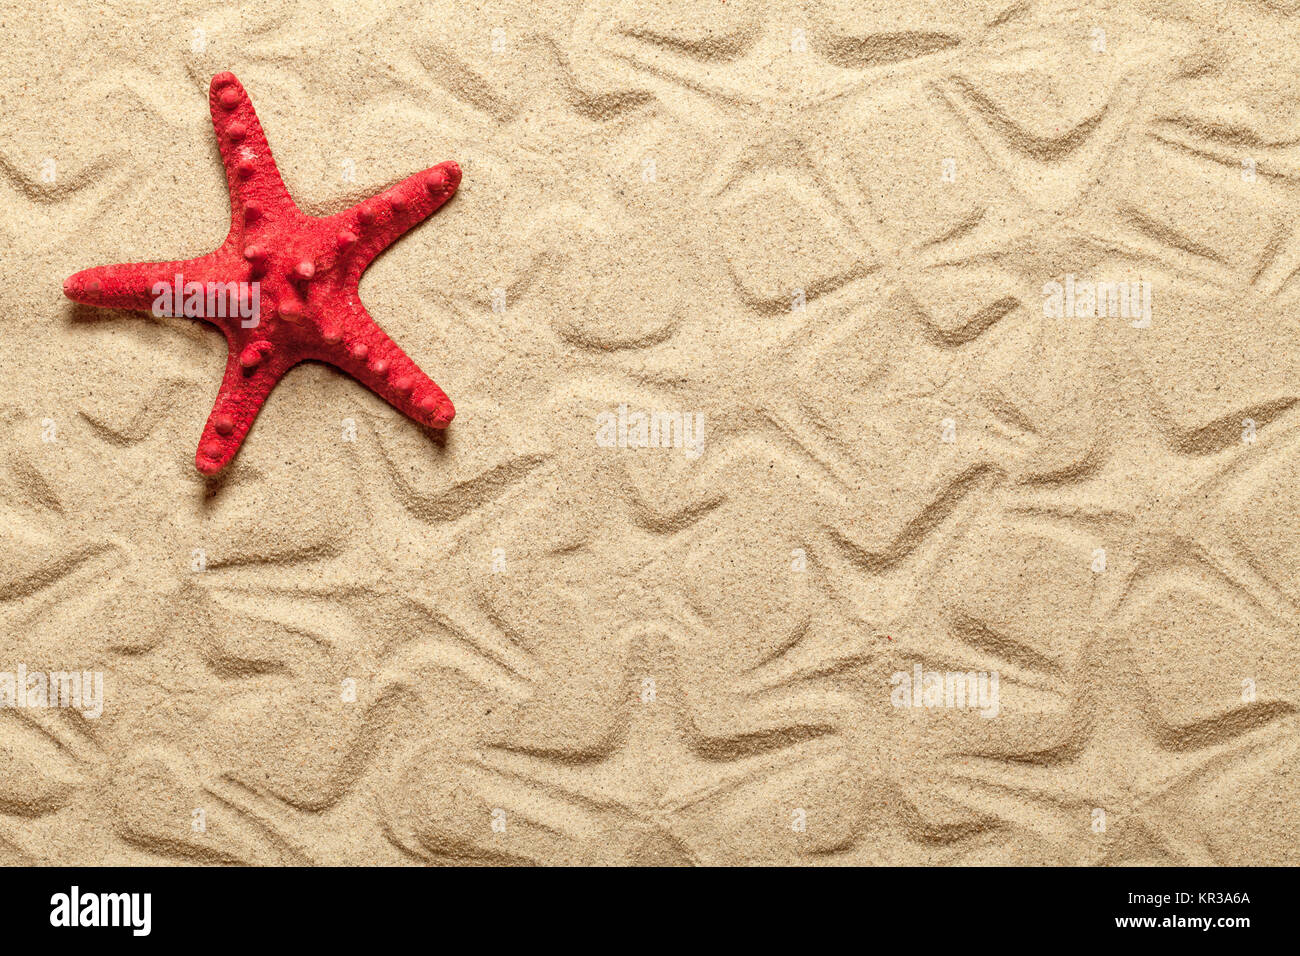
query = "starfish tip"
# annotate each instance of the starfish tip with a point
(443, 178)
(438, 413)
(209, 459)
(224, 80)
(82, 287)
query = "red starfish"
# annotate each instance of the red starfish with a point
(300, 275)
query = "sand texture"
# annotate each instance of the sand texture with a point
(824, 237)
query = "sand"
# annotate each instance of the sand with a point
(839, 254)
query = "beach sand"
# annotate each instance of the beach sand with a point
(839, 254)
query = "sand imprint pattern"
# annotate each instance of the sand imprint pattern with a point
(824, 227)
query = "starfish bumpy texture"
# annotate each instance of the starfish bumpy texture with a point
(296, 277)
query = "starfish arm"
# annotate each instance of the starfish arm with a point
(370, 227)
(366, 352)
(256, 189)
(138, 285)
(251, 374)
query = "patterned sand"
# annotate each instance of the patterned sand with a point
(807, 253)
